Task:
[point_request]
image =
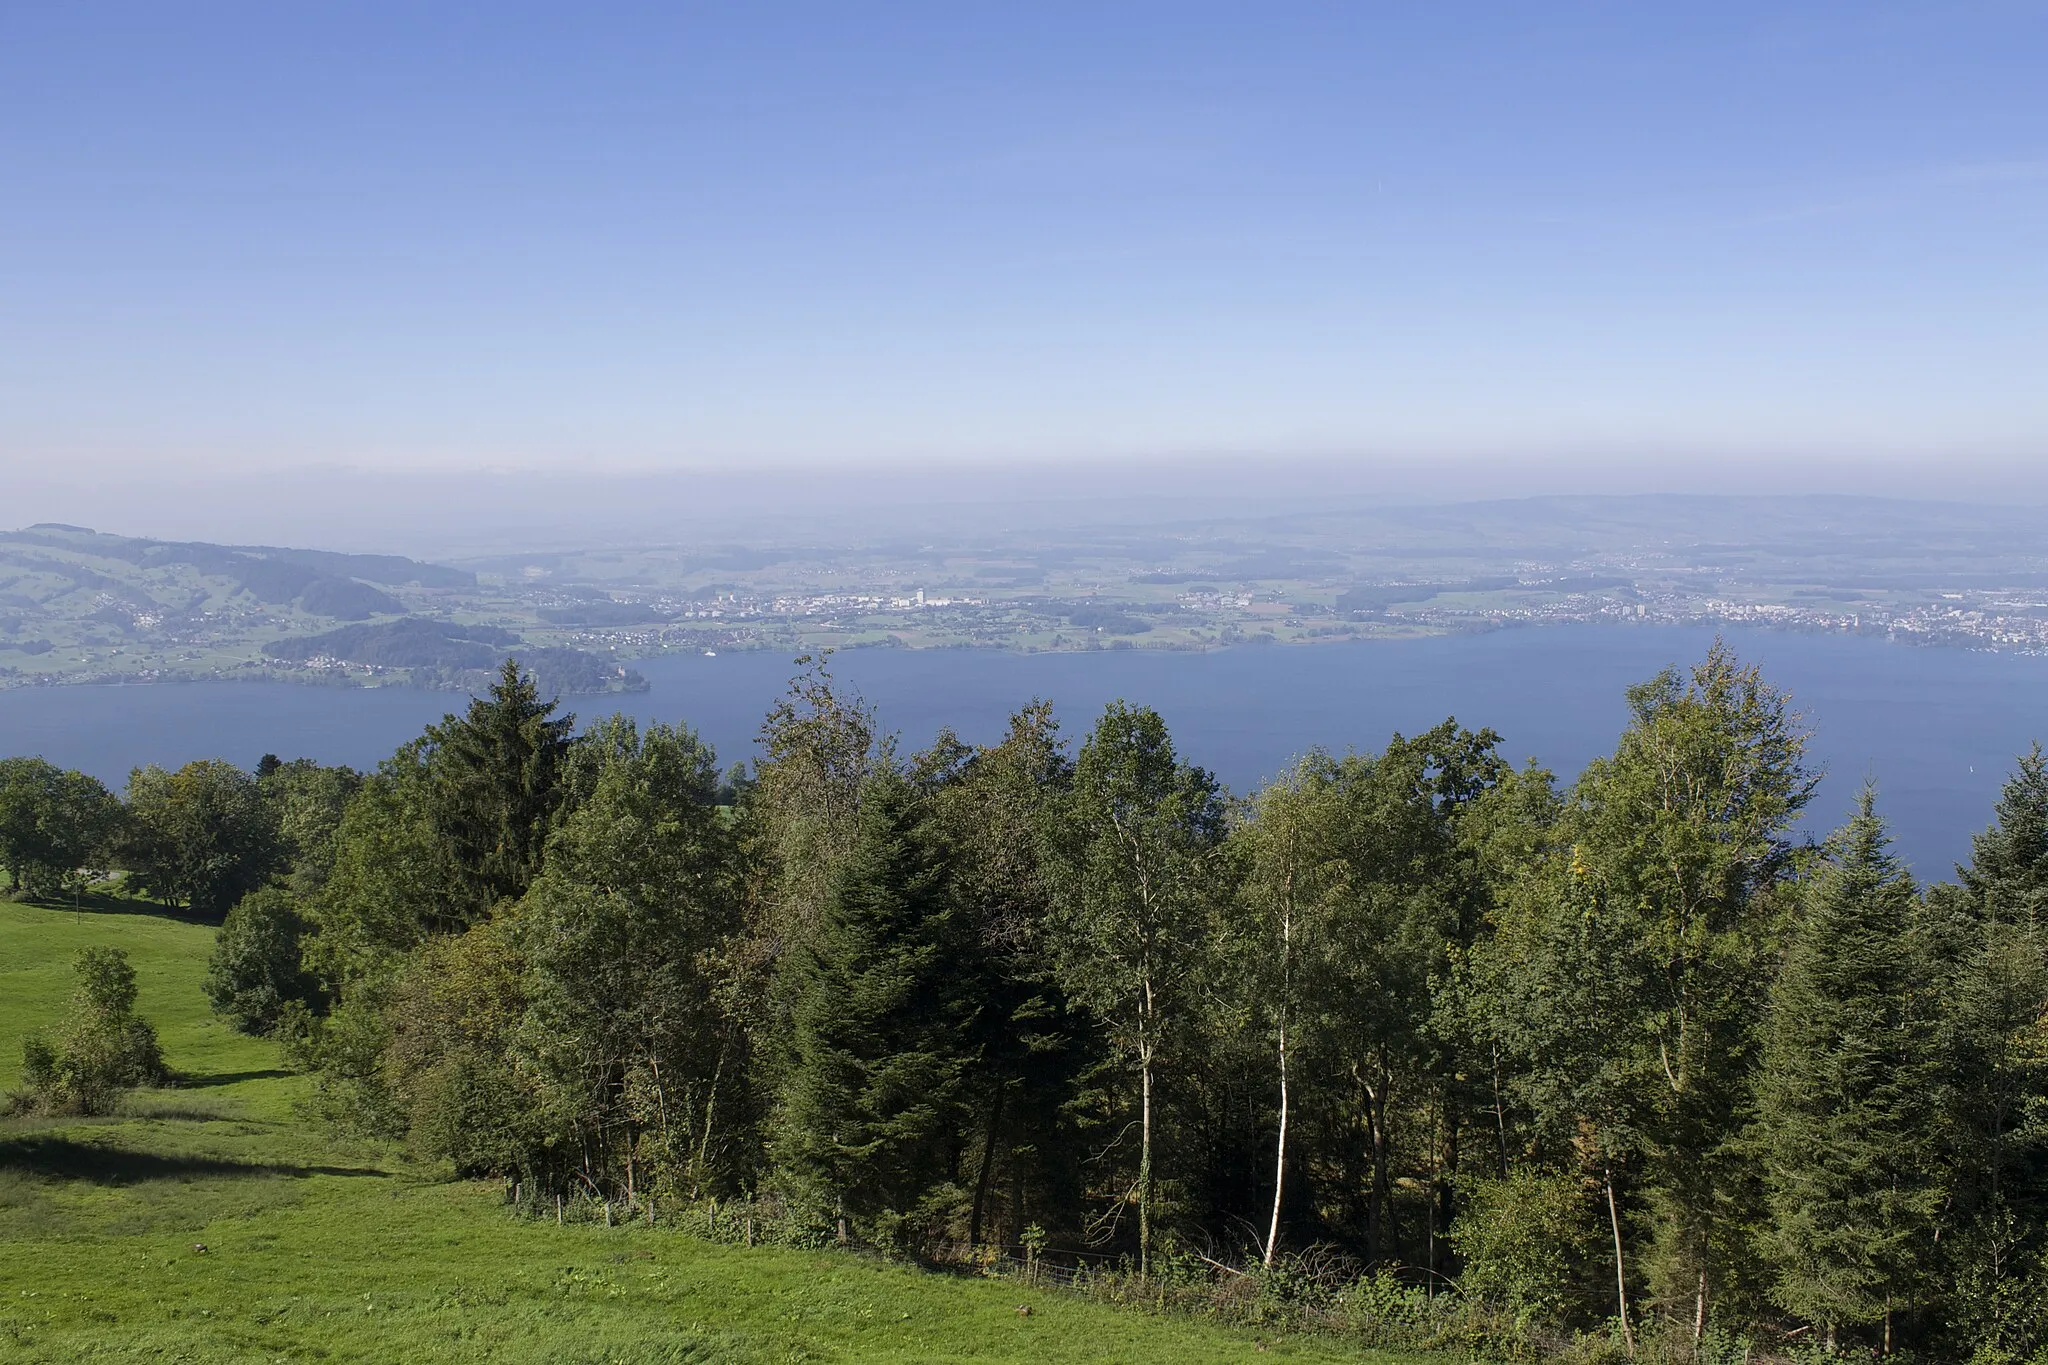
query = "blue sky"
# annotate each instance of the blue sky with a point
(599, 237)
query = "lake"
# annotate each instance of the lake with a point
(1937, 728)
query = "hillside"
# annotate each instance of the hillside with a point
(319, 1248)
(80, 606)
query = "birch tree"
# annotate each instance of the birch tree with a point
(1131, 860)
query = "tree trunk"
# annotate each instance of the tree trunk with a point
(988, 1165)
(1279, 1154)
(1379, 1210)
(1446, 1178)
(1628, 1331)
(710, 1112)
(1145, 1163)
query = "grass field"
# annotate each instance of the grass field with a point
(318, 1249)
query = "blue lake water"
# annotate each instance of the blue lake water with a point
(1938, 729)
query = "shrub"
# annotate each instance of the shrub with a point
(1522, 1237)
(101, 1049)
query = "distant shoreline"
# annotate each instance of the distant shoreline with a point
(396, 678)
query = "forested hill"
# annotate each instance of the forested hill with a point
(79, 605)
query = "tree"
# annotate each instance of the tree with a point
(1409, 910)
(256, 971)
(795, 826)
(310, 799)
(628, 1019)
(1033, 1050)
(1556, 991)
(201, 837)
(1131, 857)
(870, 1106)
(1294, 874)
(1523, 1238)
(52, 822)
(1845, 1095)
(436, 1058)
(101, 1049)
(497, 784)
(1990, 933)
(1686, 829)
(2008, 873)
(822, 750)
(393, 880)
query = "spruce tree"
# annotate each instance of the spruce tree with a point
(869, 1123)
(498, 783)
(1845, 1094)
(1994, 936)
(2008, 873)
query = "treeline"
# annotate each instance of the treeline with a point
(1624, 1057)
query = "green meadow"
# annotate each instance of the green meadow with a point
(322, 1249)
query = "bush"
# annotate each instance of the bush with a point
(99, 1051)
(256, 971)
(1522, 1239)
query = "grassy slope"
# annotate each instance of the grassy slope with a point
(322, 1250)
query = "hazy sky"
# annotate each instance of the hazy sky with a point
(585, 237)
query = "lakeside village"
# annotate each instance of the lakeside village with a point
(2004, 622)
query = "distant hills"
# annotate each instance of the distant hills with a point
(79, 605)
(319, 581)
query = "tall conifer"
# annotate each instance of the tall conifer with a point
(1994, 933)
(2008, 872)
(869, 1120)
(499, 783)
(1845, 1095)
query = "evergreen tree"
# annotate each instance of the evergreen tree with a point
(1845, 1094)
(870, 1118)
(1992, 930)
(2008, 873)
(498, 784)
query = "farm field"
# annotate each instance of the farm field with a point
(321, 1249)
